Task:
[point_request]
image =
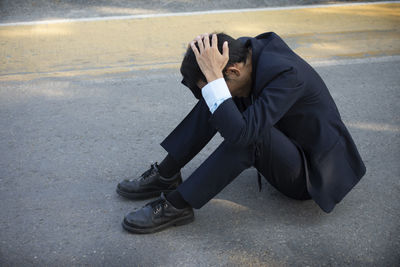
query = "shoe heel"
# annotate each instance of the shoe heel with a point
(184, 221)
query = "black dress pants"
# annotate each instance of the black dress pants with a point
(278, 159)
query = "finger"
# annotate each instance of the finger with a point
(200, 44)
(194, 49)
(206, 41)
(214, 41)
(195, 38)
(225, 50)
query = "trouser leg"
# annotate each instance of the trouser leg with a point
(279, 161)
(191, 135)
(216, 172)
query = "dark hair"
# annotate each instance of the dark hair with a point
(191, 72)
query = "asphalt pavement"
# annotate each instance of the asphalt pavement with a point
(67, 139)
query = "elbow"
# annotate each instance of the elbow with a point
(240, 138)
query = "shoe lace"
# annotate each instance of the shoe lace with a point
(158, 205)
(149, 172)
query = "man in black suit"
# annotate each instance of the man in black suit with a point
(274, 112)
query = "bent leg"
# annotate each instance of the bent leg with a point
(216, 172)
(191, 135)
(281, 163)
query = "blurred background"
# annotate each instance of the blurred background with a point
(20, 10)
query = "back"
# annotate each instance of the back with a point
(313, 122)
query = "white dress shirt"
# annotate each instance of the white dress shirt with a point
(215, 93)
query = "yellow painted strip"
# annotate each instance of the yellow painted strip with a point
(96, 47)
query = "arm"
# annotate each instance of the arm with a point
(274, 101)
(272, 104)
(211, 63)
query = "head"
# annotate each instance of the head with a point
(237, 72)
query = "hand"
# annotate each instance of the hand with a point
(201, 36)
(210, 60)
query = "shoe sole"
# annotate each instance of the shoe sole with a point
(141, 195)
(176, 222)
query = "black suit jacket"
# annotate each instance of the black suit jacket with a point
(289, 95)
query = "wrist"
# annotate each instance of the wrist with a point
(213, 76)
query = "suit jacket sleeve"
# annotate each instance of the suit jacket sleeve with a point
(274, 101)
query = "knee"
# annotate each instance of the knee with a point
(245, 152)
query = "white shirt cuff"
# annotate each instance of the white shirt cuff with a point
(215, 93)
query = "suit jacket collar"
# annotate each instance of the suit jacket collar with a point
(268, 60)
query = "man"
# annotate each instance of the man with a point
(273, 111)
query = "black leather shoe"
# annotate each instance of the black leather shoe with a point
(149, 184)
(156, 216)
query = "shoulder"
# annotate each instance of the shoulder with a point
(261, 39)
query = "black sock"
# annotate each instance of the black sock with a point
(176, 200)
(168, 167)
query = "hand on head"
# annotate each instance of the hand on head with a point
(209, 58)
